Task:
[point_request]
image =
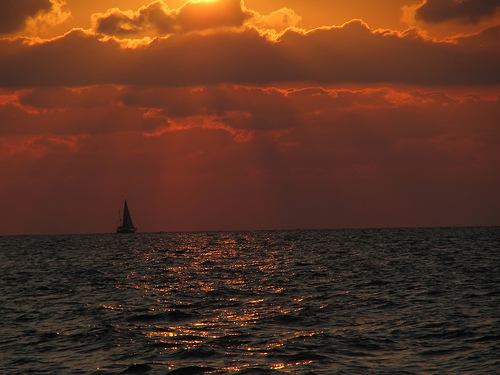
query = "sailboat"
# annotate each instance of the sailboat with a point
(126, 225)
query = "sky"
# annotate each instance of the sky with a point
(244, 115)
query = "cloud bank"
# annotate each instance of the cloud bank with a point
(466, 11)
(351, 53)
(197, 158)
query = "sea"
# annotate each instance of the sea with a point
(309, 302)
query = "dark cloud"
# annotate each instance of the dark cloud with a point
(352, 53)
(467, 11)
(118, 23)
(158, 18)
(266, 109)
(486, 39)
(411, 157)
(14, 13)
(61, 97)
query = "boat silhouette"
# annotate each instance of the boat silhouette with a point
(126, 224)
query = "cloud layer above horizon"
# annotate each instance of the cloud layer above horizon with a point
(227, 118)
(351, 53)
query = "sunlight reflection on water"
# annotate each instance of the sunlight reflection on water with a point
(352, 301)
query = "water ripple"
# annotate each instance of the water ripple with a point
(272, 302)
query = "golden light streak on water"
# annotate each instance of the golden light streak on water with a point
(109, 307)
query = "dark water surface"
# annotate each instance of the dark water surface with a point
(374, 301)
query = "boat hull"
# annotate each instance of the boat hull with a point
(125, 230)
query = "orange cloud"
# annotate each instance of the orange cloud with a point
(278, 20)
(351, 53)
(311, 157)
(72, 112)
(335, 157)
(158, 19)
(267, 111)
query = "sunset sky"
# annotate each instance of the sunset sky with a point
(259, 114)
